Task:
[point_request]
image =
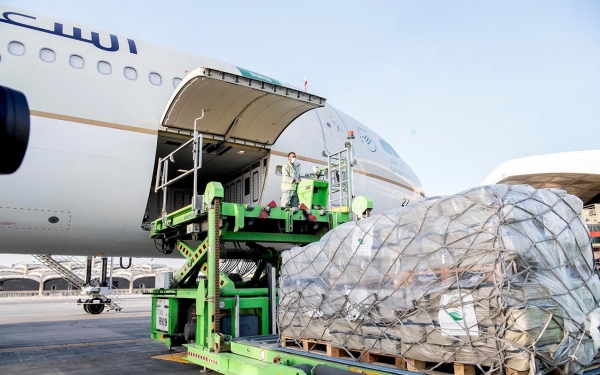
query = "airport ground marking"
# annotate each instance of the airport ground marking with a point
(175, 357)
(67, 346)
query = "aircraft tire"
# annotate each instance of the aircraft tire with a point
(85, 306)
(95, 308)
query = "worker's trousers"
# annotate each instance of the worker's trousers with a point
(289, 198)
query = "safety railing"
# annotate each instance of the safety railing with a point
(339, 171)
(162, 171)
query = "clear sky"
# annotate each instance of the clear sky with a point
(456, 87)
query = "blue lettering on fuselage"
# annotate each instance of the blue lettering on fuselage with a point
(364, 138)
(58, 30)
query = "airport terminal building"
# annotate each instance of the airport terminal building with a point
(33, 278)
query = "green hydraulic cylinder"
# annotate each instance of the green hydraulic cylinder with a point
(213, 275)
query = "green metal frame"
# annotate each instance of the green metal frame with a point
(220, 222)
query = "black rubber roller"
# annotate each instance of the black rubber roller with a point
(189, 332)
(304, 367)
(14, 129)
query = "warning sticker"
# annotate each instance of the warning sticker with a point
(457, 316)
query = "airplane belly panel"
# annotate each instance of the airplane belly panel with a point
(80, 190)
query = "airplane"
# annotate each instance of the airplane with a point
(104, 108)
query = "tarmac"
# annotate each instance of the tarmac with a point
(54, 336)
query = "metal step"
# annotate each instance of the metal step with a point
(61, 270)
(77, 279)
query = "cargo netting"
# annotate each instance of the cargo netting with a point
(501, 277)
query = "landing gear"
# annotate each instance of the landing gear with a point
(95, 306)
(99, 300)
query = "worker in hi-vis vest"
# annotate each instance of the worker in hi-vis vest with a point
(289, 182)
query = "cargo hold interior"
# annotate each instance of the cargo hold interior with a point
(241, 169)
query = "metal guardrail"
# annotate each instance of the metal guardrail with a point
(162, 171)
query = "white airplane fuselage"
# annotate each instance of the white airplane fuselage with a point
(96, 102)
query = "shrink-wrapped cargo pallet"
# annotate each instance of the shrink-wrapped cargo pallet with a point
(498, 276)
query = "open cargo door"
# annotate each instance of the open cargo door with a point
(246, 109)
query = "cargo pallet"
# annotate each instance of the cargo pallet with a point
(373, 357)
(382, 359)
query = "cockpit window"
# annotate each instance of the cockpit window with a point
(387, 148)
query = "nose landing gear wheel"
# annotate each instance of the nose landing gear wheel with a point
(95, 308)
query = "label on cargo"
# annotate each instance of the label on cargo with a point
(362, 242)
(162, 314)
(457, 315)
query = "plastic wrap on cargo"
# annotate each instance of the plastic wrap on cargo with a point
(497, 276)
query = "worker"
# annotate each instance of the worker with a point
(289, 182)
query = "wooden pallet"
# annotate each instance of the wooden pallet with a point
(382, 359)
(330, 350)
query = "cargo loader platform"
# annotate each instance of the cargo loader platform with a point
(206, 309)
(227, 287)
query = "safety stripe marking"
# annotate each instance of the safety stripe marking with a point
(81, 120)
(203, 358)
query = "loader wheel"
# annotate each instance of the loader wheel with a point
(95, 308)
(85, 306)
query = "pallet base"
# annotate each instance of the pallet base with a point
(384, 359)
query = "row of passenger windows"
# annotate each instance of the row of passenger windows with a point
(78, 62)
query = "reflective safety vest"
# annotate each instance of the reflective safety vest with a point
(290, 173)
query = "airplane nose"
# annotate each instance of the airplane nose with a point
(14, 129)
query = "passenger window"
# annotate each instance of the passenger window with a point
(155, 79)
(76, 61)
(238, 191)
(47, 55)
(130, 73)
(104, 67)
(16, 48)
(278, 170)
(176, 82)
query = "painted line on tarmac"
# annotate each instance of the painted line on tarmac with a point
(177, 357)
(67, 346)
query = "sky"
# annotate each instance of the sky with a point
(456, 87)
